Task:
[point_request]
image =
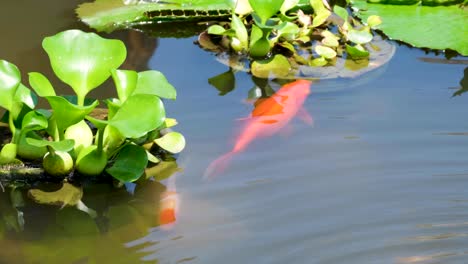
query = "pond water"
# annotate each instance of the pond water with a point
(379, 177)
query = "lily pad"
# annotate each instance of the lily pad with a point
(441, 27)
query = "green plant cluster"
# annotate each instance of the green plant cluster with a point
(120, 144)
(261, 28)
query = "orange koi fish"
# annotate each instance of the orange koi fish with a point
(269, 116)
(169, 205)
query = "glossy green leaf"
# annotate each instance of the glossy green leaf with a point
(341, 12)
(287, 30)
(255, 34)
(125, 83)
(66, 113)
(278, 66)
(170, 122)
(83, 60)
(321, 13)
(373, 21)
(326, 52)
(82, 134)
(441, 27)
(155, 83)
(318, 62)
(265, 9)
(63, 145)
(173, 142)
(138, 115)
(41, 84)
(34, 120)
(10, 78)
(362, 36)
(8, 153)
(216, 30)
(98, 123)
(129, 164)
(357, 52)
(260, 48)
(152, 158)
(91, 161)
(241, 32)
(287, 5)
(26, 96)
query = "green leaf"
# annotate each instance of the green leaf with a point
(326, 52)
(152, 158)
(8, 153)
(173, 142)
(138, 115)
(318, 62)
(68, 195)
(287, 30)
(265, 9)
(287, 5)
(170, 122)
(10, 78)
(321, 13)
(129, 164)
(41, 84)
(373, 21)
(155, 83)
(362, 36)
(357, 52)
(26, 96)
(241, 32)
(66, 113)
(216, 30)
(125, 82)
(260, 48)
(63, 145)
(277, 66)
(224, 82)
(441, 27)
(34, 120)
(341, 12)
(83, 60)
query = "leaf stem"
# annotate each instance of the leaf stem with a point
(100, 140)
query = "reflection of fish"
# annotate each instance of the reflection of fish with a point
(268, 117)
(169, 205)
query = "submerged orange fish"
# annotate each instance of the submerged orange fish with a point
(269, 116)
(169, 205)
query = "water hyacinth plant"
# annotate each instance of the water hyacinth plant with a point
(268, 31)
(122, 144)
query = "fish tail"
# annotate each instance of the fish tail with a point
(218, 166)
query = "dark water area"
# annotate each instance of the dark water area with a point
(379, 177)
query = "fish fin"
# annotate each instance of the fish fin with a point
(305, 116)
(218, 166)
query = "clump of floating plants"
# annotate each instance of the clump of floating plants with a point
(282, 34)
(131, 132)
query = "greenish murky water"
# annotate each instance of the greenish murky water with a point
(379, 177)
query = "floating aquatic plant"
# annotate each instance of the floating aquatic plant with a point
(61, 138)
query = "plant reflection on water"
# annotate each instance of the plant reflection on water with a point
(68, 235)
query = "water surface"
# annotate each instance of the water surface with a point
(380, 177)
